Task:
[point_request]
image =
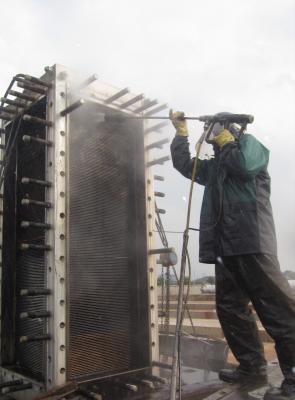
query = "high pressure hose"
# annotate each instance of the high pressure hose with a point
(180, 313)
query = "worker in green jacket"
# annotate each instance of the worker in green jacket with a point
(237, 234)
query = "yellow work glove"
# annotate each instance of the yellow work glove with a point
(223, 138)
(179, 123)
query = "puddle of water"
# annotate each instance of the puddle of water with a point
(194, 375)
(191, 376)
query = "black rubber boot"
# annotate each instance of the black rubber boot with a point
(285, 392)
(240, 376)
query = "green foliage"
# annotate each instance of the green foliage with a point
(205, 279)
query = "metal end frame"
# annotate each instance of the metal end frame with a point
(56, 216)
(152, 265)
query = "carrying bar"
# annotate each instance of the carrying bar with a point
(35, 120)
(72, 107)
(35, 314)
(7, 110)
(34, 338)
(22, 95)
(27, 201)
(35, 292)
(18, 104)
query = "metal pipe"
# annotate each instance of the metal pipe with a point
(159, 178)
(15, 103)
(36, 314)
(147, 104)
(32, 88)
(26, 180)
(159, 194)
(34, 338)
(36, 120)
(158, 161)
(28, 139)
(27, 202)
(5, 118)
(156, 110)
(27, 224)
(164, 250)
(158, 144)
(72, 107)
(117, 95)
(32, 246)
(35, 292)
(11, 383)
(21, 95)
(132, 101)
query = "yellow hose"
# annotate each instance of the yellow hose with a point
(180, 314)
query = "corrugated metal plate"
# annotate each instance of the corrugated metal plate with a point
(107, 288)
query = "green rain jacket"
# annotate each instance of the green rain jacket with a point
(236, 215)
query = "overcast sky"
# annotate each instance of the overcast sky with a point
(198, 56)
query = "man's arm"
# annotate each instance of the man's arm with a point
(183, 162)
(245, 158)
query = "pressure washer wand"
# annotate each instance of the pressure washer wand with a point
(122, 117)
(151, 117)
(224, 118)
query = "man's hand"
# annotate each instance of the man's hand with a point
(179, 123)
(223, 138)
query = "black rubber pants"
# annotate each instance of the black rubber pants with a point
(256, 278)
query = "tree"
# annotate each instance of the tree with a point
(211, 280)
